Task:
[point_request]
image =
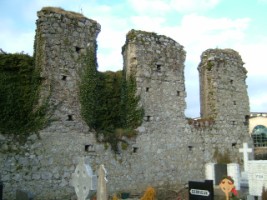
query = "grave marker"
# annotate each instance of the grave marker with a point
(257, 176)
(102, 184)
(234, 171)
(245, 150)
(201, 190)
(83, 180)
(220, 172)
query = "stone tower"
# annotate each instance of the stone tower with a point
(61, 40)
(157, 63)
(223, 90)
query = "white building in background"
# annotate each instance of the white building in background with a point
(258, 132)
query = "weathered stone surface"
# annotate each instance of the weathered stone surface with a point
(169, 149)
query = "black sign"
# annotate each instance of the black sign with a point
(201, 190)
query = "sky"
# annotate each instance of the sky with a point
(196, 24)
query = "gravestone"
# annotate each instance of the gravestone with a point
(23, 195)
(102, 184)
(244, 176)
(209, 171)
(245, 150)
(220, 172)
(83, 180)
(201, 190)
(257, 176)
(234, 171)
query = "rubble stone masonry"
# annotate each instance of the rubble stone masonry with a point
(169, 150)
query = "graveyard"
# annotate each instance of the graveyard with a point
(124, 135)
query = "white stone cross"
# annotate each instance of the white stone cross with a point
(83, 180)
(102, 184)
(245, 150)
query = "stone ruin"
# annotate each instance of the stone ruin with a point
(169, 150)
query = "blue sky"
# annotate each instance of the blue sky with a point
(195, 24)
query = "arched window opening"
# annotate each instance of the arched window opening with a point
(259, 136)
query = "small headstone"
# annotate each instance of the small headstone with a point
(83, 180)
(23, 195)
(234, 172)
(220, 172)
(102, 184)
(201, 190)
(210, 171)
(245, 150)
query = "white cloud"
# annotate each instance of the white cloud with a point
(148, 23)
(185, 6)
(150, 6)
(159, 7)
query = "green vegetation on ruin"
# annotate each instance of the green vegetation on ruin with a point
(19, 89)
(58, 10)
(109, 104)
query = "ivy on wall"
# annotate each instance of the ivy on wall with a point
(109, 102)
(19, 89)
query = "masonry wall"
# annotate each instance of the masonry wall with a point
(169, 150)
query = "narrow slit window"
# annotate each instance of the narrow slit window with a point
(231, 81)
(148, 118)
(89, 147)
(234, 102)
(135, 149)
(234, 144)
(63, 77)
(86, 147)
(178, 93)
(78, 49)
(158, 67)
(70, 117)
(147, 89)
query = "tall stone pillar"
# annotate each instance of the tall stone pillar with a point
(62, 40)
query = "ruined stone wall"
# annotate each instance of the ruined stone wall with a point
(62, 39)
(44, 163)
(168, 151)
(223, 89)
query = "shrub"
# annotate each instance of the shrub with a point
(150, 194)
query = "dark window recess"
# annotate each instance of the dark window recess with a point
(158, 67)
(233, 122)
(231, 81)
(135, 149)
(234, 144)
(88, 147)
(78, 49)
(178, 93)
(147, 89)
(190, 148)
(64, 78)
(70, 117)
(234, 102)
(148, 118)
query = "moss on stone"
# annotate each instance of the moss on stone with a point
(59, 10)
